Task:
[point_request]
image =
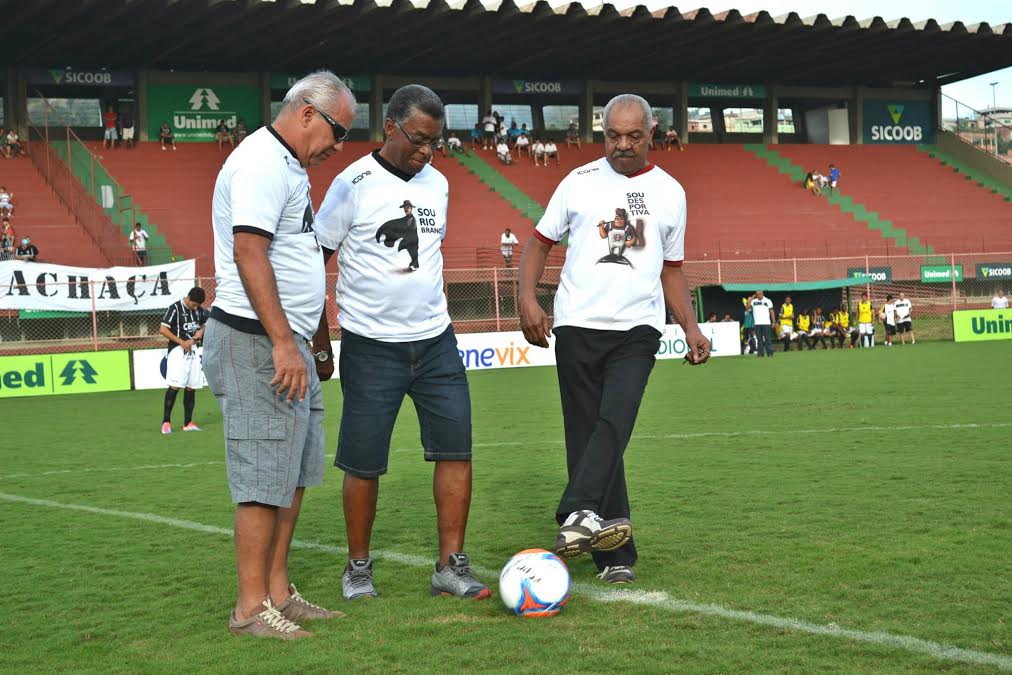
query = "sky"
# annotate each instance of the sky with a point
(974, 92)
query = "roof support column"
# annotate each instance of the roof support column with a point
(587, 113)
(681, 112)
(770, 116)
(376, 109)
(485, 97)
(856, 116)
(141, 110)
(16, 101)
(265, 97)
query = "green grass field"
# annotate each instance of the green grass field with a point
(826, 511)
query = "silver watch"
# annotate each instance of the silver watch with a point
(322, 357)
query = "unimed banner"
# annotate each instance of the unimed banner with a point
(26, 285)
(193, 111)
(973, 325)
(80, 373)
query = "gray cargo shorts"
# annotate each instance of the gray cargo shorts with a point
(272, 446)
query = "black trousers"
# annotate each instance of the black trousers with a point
(764, 334)
(602, 376)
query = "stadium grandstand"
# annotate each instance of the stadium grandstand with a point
(758, 102)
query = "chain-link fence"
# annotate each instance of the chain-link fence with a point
(485, 300)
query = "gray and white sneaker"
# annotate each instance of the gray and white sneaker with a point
(458, 579)
(357, 579)
(617, 574)
(585, 531)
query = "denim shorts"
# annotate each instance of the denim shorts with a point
(375, 376)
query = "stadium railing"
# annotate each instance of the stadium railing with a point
(487, 300)
(981, 130)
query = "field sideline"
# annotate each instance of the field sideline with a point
(840, 510)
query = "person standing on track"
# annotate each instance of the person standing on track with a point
(609, 317)
(267, 344)
(183, 326)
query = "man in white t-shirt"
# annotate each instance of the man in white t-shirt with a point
(904, 324)
(1000, 300)
(552, 152)
(502, 151)
(889, 319)
(763, 318)
(538, 152)
(489, 123)
(396, 336)
(523, 143)
(506, 243)
(267, 343)
(139, 244)
(609, 317)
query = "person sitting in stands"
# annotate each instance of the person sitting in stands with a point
(166, 137)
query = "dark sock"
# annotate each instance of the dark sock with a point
(189, 399)
(170, 400)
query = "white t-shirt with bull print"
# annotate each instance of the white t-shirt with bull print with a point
(387, 227)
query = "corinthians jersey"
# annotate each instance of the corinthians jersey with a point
(622, 231)
(388, 228)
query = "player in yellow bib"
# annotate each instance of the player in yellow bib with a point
(843, 327)
(866, 321)
(803, 329)
(786, 331)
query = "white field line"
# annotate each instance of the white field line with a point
(655, 599)
(144, 467)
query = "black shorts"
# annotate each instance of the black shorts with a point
(890, 329)
(376, 375)
(903, 326)
(489, 135)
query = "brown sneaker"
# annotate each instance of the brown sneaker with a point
(297, 608)
(268, 623)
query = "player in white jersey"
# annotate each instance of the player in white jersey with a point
(888, 315)
(385, 212)
(904, 324)
(183, 326)
(609, 317)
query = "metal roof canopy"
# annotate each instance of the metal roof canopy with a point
(534, 41)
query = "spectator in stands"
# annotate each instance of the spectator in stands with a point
(514, 133)
(552, 152)
(13, 148)
(834, 178)
(126, 124)
(671, 139)
(503, 152)
(489, 124)
(27, 252)
(903, 322)
(712, 318)
(538, 152)
(6, 202)
(241, 131)
(166, 137)
(109, 121)
(812, 182)
(999, 301)
(3, 141)
(475, 136)
(656, 134)
(456, 145)
(506, 243)
(222, 135)
(502, 133)
(139, 244)
(439, 145)
(727, 318)
(7, 239)
(523, 144)
(763, 317)
(573, 136)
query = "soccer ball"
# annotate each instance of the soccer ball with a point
(534, 583)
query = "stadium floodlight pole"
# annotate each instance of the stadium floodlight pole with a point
(994, 109)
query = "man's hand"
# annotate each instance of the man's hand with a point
(187, 345)
(535, 324)
(324, 369)
(698, 347)
(289, 371)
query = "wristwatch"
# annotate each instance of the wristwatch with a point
(322, 357)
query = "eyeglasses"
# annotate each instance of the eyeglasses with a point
(412, 140)
(340, 133)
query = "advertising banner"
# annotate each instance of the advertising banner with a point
(76, 77)
(193, 111)
(898, 122)
(727, 91)
(567, 87)
(876, 273)
(974, 325)
(284, 81)
(1002, 270)
(74, 373)
(936, 274)
(27, 285)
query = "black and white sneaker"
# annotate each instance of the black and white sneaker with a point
(617, 574)
(585, 531)
(356, 582)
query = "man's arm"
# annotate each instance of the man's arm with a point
(172, 337)
(257, 275)
(535, 324)
(676, 296)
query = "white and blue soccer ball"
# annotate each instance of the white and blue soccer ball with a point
(534, 583)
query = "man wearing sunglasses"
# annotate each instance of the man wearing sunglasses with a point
(267, 344)
(386, 214)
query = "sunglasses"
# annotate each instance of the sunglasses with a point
(340, 133)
